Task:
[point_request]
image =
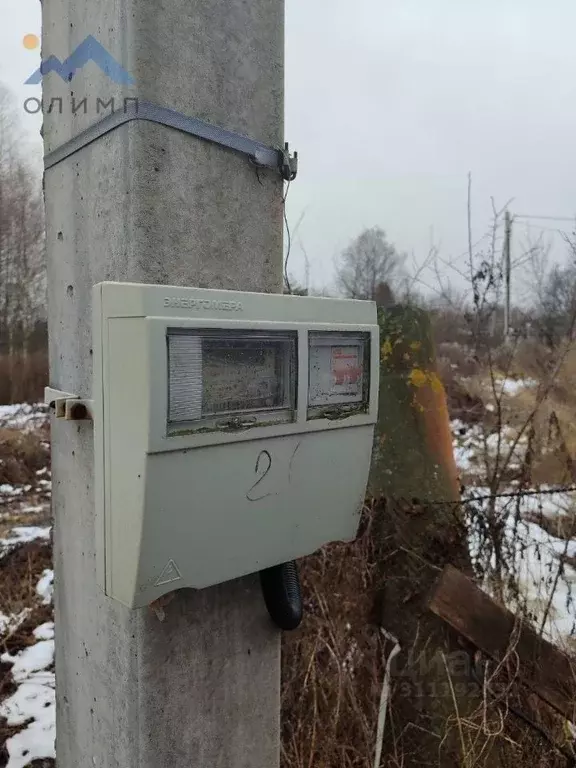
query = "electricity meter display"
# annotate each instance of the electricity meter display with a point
(214, 375)
(338, 372)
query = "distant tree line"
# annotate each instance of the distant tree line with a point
(22, 259)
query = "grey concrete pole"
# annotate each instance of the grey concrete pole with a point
(148, 204)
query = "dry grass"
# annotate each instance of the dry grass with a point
(544, 412)
(457, 358)
(549, 409)
(463, 401)
(332, 665)
(20, 571)
(22, 454)
(22, 379)
(439, 713)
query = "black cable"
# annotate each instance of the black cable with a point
(282, 594)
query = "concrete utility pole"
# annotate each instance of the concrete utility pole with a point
(507, 271)
(148, 204)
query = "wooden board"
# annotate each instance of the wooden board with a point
(488, 626)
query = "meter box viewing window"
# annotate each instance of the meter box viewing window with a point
(339, 371)
(217, 376)
(233, 432)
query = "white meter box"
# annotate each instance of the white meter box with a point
(233, 431)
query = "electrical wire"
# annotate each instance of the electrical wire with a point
(507, 495)
(545, 229)
(288, 237)
(549, 218)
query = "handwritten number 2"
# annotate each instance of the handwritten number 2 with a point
(264, 458)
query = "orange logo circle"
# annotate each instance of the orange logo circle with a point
(30, 42)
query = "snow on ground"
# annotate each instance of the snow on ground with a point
(45, 587)
(473, 446)
(21, 534)
(45, 631)
(512, 387)
(27, 509)
(25, 518)
(543, 562)
(23, 416)
(467, 443)
(34, 699)
(11, 490)
(548, 585)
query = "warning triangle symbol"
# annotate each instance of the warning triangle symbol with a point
(170, 573)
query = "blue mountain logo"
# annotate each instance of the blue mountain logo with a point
(88, 50)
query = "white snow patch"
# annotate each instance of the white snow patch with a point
(33, 509)
(22, 534)
(547, 588)
(45, 587)
(28, 701)
(32, 659)
(467, 445)
(45, 631)
(10, 490)
(513, 386)
(532, 524)
(472, 446)
(23, 415)
(35, 698)
(38, 740)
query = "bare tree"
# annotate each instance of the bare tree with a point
(553, 292)
(368, 263)
(557, 304)
(22, 275)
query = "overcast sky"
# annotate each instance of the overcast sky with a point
(390, 104)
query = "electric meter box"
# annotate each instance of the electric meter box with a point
(233, 431)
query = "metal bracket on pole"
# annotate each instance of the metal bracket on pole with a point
(68, 406)
(289, 169)
(260, 154)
